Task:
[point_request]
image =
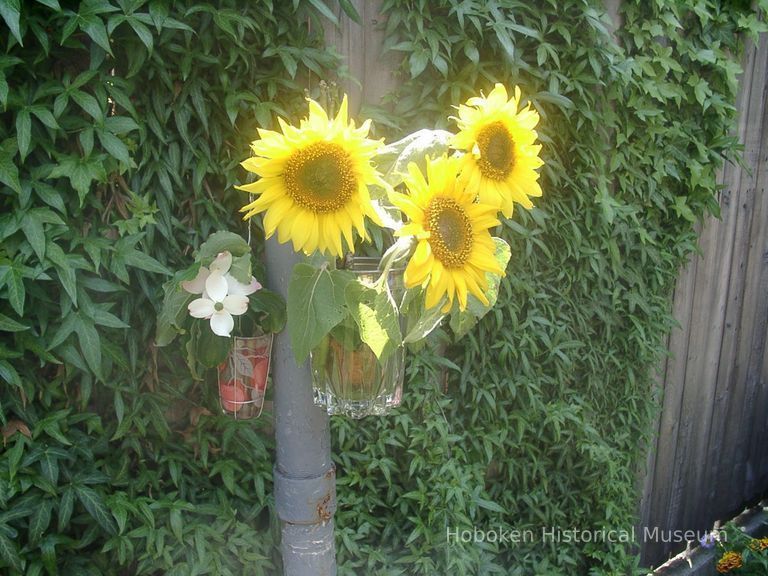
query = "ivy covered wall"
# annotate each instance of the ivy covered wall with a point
(121, 129)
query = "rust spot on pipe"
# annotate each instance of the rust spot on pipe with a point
(323, 511)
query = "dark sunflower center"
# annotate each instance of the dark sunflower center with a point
(450, 232)
(497, 151)
(320, 177)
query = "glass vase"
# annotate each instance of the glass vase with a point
(242, 377)
(347, 378)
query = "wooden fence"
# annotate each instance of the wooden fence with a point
(711, 453)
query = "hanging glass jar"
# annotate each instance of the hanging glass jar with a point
(347, 378)
(242, 377)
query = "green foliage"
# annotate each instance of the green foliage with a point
(541, 415)
(123, 123)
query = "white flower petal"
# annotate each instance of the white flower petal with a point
(197, 285)
(236, 304)
(222, 263)
(236, 287)
(222, 323)
(201, 308)
(216, 286)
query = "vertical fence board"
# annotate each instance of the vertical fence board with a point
(711, 455)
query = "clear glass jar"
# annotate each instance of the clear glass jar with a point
(347, 378)
(242, 377)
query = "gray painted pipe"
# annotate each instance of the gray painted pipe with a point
(305, 478)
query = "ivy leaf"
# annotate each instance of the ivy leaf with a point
(9, 551)
(90, 344)
(324, 10)
(94, 504)
(39, 521)
(10, 11)
(94, 27)
(316, 303)
(23, 132)
(16, 291)
(376, 315)
(33, 229)
(9, 173)
(10, 325)
(116, 148)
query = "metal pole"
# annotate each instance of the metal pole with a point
(304, 474)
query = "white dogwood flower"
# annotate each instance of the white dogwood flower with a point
(222, 296)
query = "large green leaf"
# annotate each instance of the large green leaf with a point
(316, 303)
(376, 315)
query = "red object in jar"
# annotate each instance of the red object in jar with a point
(232, 395)
(260, 370)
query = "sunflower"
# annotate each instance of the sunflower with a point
(501, 160)
(314, 179)
(454, 248)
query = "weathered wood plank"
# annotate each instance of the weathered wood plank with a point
(666, 476)
(740, 413)
(752, 107)
(369, 74)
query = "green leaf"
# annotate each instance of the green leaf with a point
(211, 349)
(222, 242)
(65, 508)
(9, 173)
(49, 465)
(325, 11)
(89, 104)
(94, 27)
(23, 131)
(94, 504)
(144, 33)
(3, 91)
(143, 261)
(316, 303)
(16, 291)
(9, 551)
(90, 344)
(172, 313)
(271, 304)
(33, 229)
(64, 269)
(375, 314)
(51, 4)
(10, 11)
(241, 268)
(39, 521)
(350, 10)
(9, 374)
(176, 524)
(10, 325)
(116, 148)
